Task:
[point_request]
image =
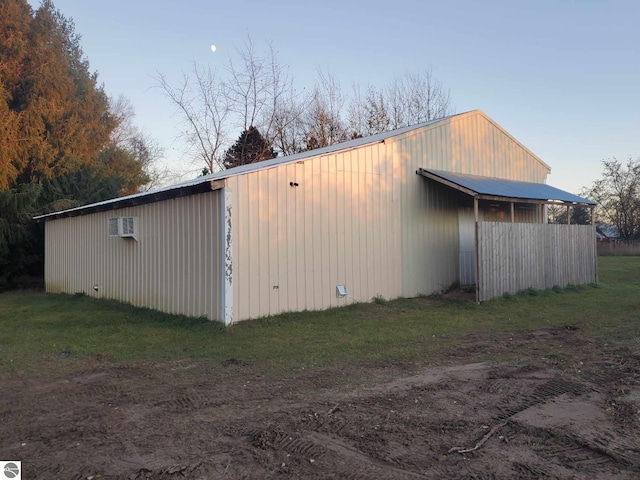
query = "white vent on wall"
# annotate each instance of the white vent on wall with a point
(125, 227)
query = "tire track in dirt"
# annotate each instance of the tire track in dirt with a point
(350, 454)
(188, 402)
(148, 423)
(587, 449)
(315, 447)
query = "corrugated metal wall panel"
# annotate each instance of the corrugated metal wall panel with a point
(340, 225)
(470, 144)
(429, 221)
(360, 217)
(467, 233)
(481, 148)
(173, 266)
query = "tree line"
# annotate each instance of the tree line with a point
(253, 100)
(255, 95)
(63, 141)
(617, 193)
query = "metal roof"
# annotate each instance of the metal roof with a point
(497, 188)
(200, 184)
(212, 181)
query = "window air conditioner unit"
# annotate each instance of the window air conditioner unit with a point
(124, 227)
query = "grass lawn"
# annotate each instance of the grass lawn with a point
(35, 327)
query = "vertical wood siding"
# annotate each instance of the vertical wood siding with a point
(174, 266)
(516, 256)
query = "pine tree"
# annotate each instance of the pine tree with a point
(15, 20)
(56, 123)
(18, 244)
(66, 114)
(250, 147)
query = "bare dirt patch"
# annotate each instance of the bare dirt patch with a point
(559, 407)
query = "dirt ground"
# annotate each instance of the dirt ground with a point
(562, 407)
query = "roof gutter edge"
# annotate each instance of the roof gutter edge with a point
(136, 200)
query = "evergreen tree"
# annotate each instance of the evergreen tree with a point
(15, 21)
(56, 124)
(65, 114)
(18, 244)
(250, 147)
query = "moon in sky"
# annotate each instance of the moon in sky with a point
(213, 48)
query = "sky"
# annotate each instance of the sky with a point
(561, 76)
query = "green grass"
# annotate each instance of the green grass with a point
(35, 327)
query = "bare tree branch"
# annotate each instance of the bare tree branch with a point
(408, 100)
(618, 196)
(258, 93)
(203, 104)
(323, 119)
(139, 145)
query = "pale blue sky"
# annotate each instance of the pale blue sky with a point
(561, 76)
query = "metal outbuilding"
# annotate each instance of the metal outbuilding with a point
(398, 214)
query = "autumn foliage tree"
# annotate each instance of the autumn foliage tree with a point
(60, 115)
(56, 129)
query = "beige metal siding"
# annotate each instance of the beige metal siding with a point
(293, 244)
(359, 217)
(362, 218)
(469, 144)
(472, 144)
(430, 238)
(467, 232)
(174, 266)
(516, 256)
